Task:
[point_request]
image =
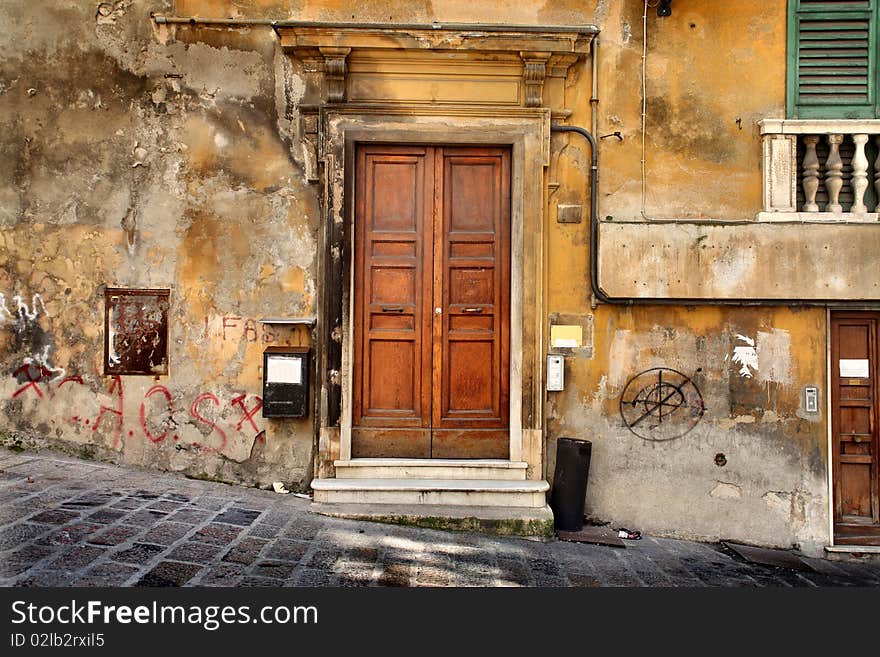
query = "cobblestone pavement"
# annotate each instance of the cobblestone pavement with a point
(65, 522)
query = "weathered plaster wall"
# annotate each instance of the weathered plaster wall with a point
(714, 69)
(750, 367)
(740, 261)
(548, 12)
(134, 157)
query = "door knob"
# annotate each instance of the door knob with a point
(438, 310)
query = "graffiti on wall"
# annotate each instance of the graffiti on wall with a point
(207, 420)
(661, 404)
(233, 328)
(23, 314)
(158, 417)
(30, 338)
(30, 374)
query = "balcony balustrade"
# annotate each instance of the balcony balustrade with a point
(821, 170)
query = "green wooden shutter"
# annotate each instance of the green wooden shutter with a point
(832, 53)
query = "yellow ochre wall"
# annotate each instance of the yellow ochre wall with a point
(713, 70)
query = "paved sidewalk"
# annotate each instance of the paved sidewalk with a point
(65, 522)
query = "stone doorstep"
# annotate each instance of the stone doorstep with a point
(853, 554)
(447, 492)
(377, 468)
(497, 520)
(853, 549)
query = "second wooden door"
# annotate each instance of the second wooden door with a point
(431, 302)
(855, 441)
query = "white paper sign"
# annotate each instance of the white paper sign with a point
(283, 370)
(854, 368)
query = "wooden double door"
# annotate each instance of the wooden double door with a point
(431, 302)
(855, 396)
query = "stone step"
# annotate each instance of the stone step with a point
(501, 521)
(453, 492)
(431, 469)
(853, 549)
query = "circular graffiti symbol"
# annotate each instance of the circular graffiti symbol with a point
(661, 404)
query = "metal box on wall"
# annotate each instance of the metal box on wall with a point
(286, 381)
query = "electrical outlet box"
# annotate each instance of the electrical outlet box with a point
(811, 399)
(555, 373)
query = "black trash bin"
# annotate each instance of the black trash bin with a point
(570, 483)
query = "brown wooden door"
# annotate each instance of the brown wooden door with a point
(854, 399)
(431, 302)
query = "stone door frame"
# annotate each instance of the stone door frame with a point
(526, 131)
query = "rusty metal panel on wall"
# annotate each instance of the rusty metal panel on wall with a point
(136, 331)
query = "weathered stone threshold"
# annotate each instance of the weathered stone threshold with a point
(853, 549)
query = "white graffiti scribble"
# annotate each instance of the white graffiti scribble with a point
(41, 360)
(4, 309)
(746, 355)
(23, 317)
(23, 313)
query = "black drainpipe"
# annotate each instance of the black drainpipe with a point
(665, 301)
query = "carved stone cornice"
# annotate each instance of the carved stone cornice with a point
(437, 36)
(438, 69)
(542, 51)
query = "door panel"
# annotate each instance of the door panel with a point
(432, 302)
(854, 429)
(392, 394)
(472, 361)
(392, 298)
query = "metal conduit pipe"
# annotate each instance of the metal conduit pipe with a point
(161, 19)
(594, 80)
(600, 295)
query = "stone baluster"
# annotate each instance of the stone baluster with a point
(811, 173)
(877, 173)
(859, 174)
(833, 175)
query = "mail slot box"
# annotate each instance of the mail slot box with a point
(286, 382)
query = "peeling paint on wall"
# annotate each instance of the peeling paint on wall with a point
(769, 360)
(726, 491)
(623, 359)
(774, 356)
(140, 157)
(746, 356)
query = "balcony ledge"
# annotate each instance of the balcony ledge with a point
(819, 217)
(818, 126)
